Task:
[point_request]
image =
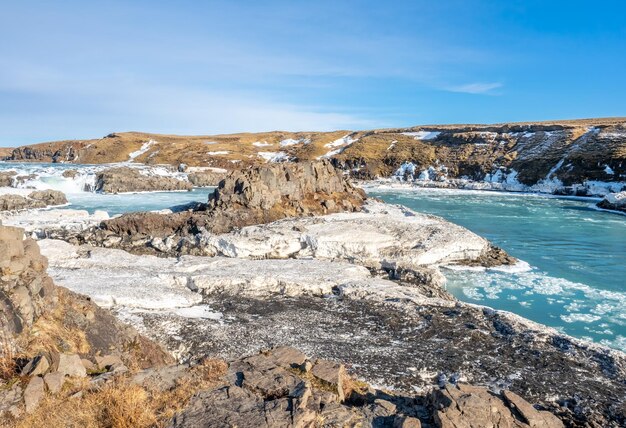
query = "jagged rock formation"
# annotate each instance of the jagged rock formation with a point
(247, 197)
(614, 202)
(269, 193)
(562, 156)
(25, 290)
(281, 387)
(125, 179)
(469, 406)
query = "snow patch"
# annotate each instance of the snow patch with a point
(144, 148)
(423, 135)
(274, 156)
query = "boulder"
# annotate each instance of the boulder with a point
(54, 382)
(71, 365)
(34, 200)
(49, 197)
(37, 366)
(205, 178)
(108, 361)
(475, 407)
(6, 178)
(33, 393)
(331, 374)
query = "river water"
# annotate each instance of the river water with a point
(574, 273)
(575, 280)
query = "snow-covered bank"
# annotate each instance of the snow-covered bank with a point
(38, 223)
(501, 179)
(116, 278)
(381, 236)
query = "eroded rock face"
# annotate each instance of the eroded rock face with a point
(50, 327)
(254, 196)
(614, 202)
(269, 193)
(126, 179)
(25, 288)
(34, 200)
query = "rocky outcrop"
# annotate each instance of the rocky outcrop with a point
(205, 178)
(614, 202)
(281, 387)
(6, 178)
(50, 328)
(25, 288)
(470, 406)
(126, 179)
(269, 193)
(234, 306)
(247, 197)
(33, 200)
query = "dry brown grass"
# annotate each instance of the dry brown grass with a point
(121, 404)
(50, 333)
(8, 367)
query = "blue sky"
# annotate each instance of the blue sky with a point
(82, 69)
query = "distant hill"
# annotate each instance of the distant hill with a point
(570, 150)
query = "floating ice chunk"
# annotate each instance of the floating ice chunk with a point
(608, 170)
(588, 318)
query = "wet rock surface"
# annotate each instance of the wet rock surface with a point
(126, 179)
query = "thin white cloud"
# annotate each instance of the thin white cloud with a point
(476, 88)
